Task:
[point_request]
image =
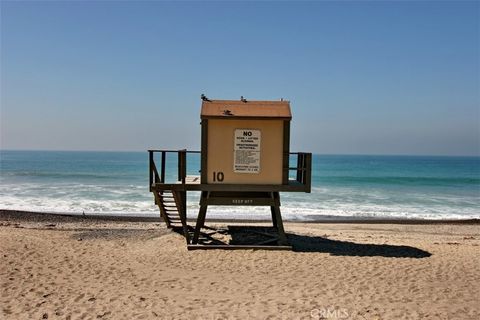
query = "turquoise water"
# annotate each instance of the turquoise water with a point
(342, 186)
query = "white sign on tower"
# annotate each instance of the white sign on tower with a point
(247, 151)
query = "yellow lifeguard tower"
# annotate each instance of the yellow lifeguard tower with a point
(244, 161)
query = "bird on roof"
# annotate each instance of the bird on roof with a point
(243, 99)
(204, 98)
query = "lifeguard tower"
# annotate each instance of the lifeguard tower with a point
(244, 161)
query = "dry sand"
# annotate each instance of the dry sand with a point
(74, 268)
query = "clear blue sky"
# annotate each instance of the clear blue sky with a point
(363, 78)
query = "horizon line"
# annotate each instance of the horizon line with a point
(314, 153)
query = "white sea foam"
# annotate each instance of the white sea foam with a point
(289, 211)
(322, 203)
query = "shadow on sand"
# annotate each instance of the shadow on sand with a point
(116, 234)
(305, 243)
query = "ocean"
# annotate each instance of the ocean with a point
(343, 186)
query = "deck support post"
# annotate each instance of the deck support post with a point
(200, 222)
(274, 217)
(277, 220)
(201, 218)
(273, 202)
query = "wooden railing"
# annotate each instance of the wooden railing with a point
(303, 168)
(156, 177)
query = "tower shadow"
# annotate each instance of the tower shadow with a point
(304, 243)
(251, 235)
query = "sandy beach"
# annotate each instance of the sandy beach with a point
(80, 268)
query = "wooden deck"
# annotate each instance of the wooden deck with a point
(192, 183)
(191, 180)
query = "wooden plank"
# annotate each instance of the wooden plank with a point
(204, 152)
(300, 165)
(279, 223)
(308, 172)
(274, 217)
(171, 150)
(293, 186)
(162, 172)
(236, 201)
(150, 170)
(237, 247)
(251, 109)
(286, 151)
(182, 209)
(192, 179)
(200, 219)
(180, 166)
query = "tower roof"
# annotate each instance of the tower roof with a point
(246, 109)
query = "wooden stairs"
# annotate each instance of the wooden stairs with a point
(170, 204)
